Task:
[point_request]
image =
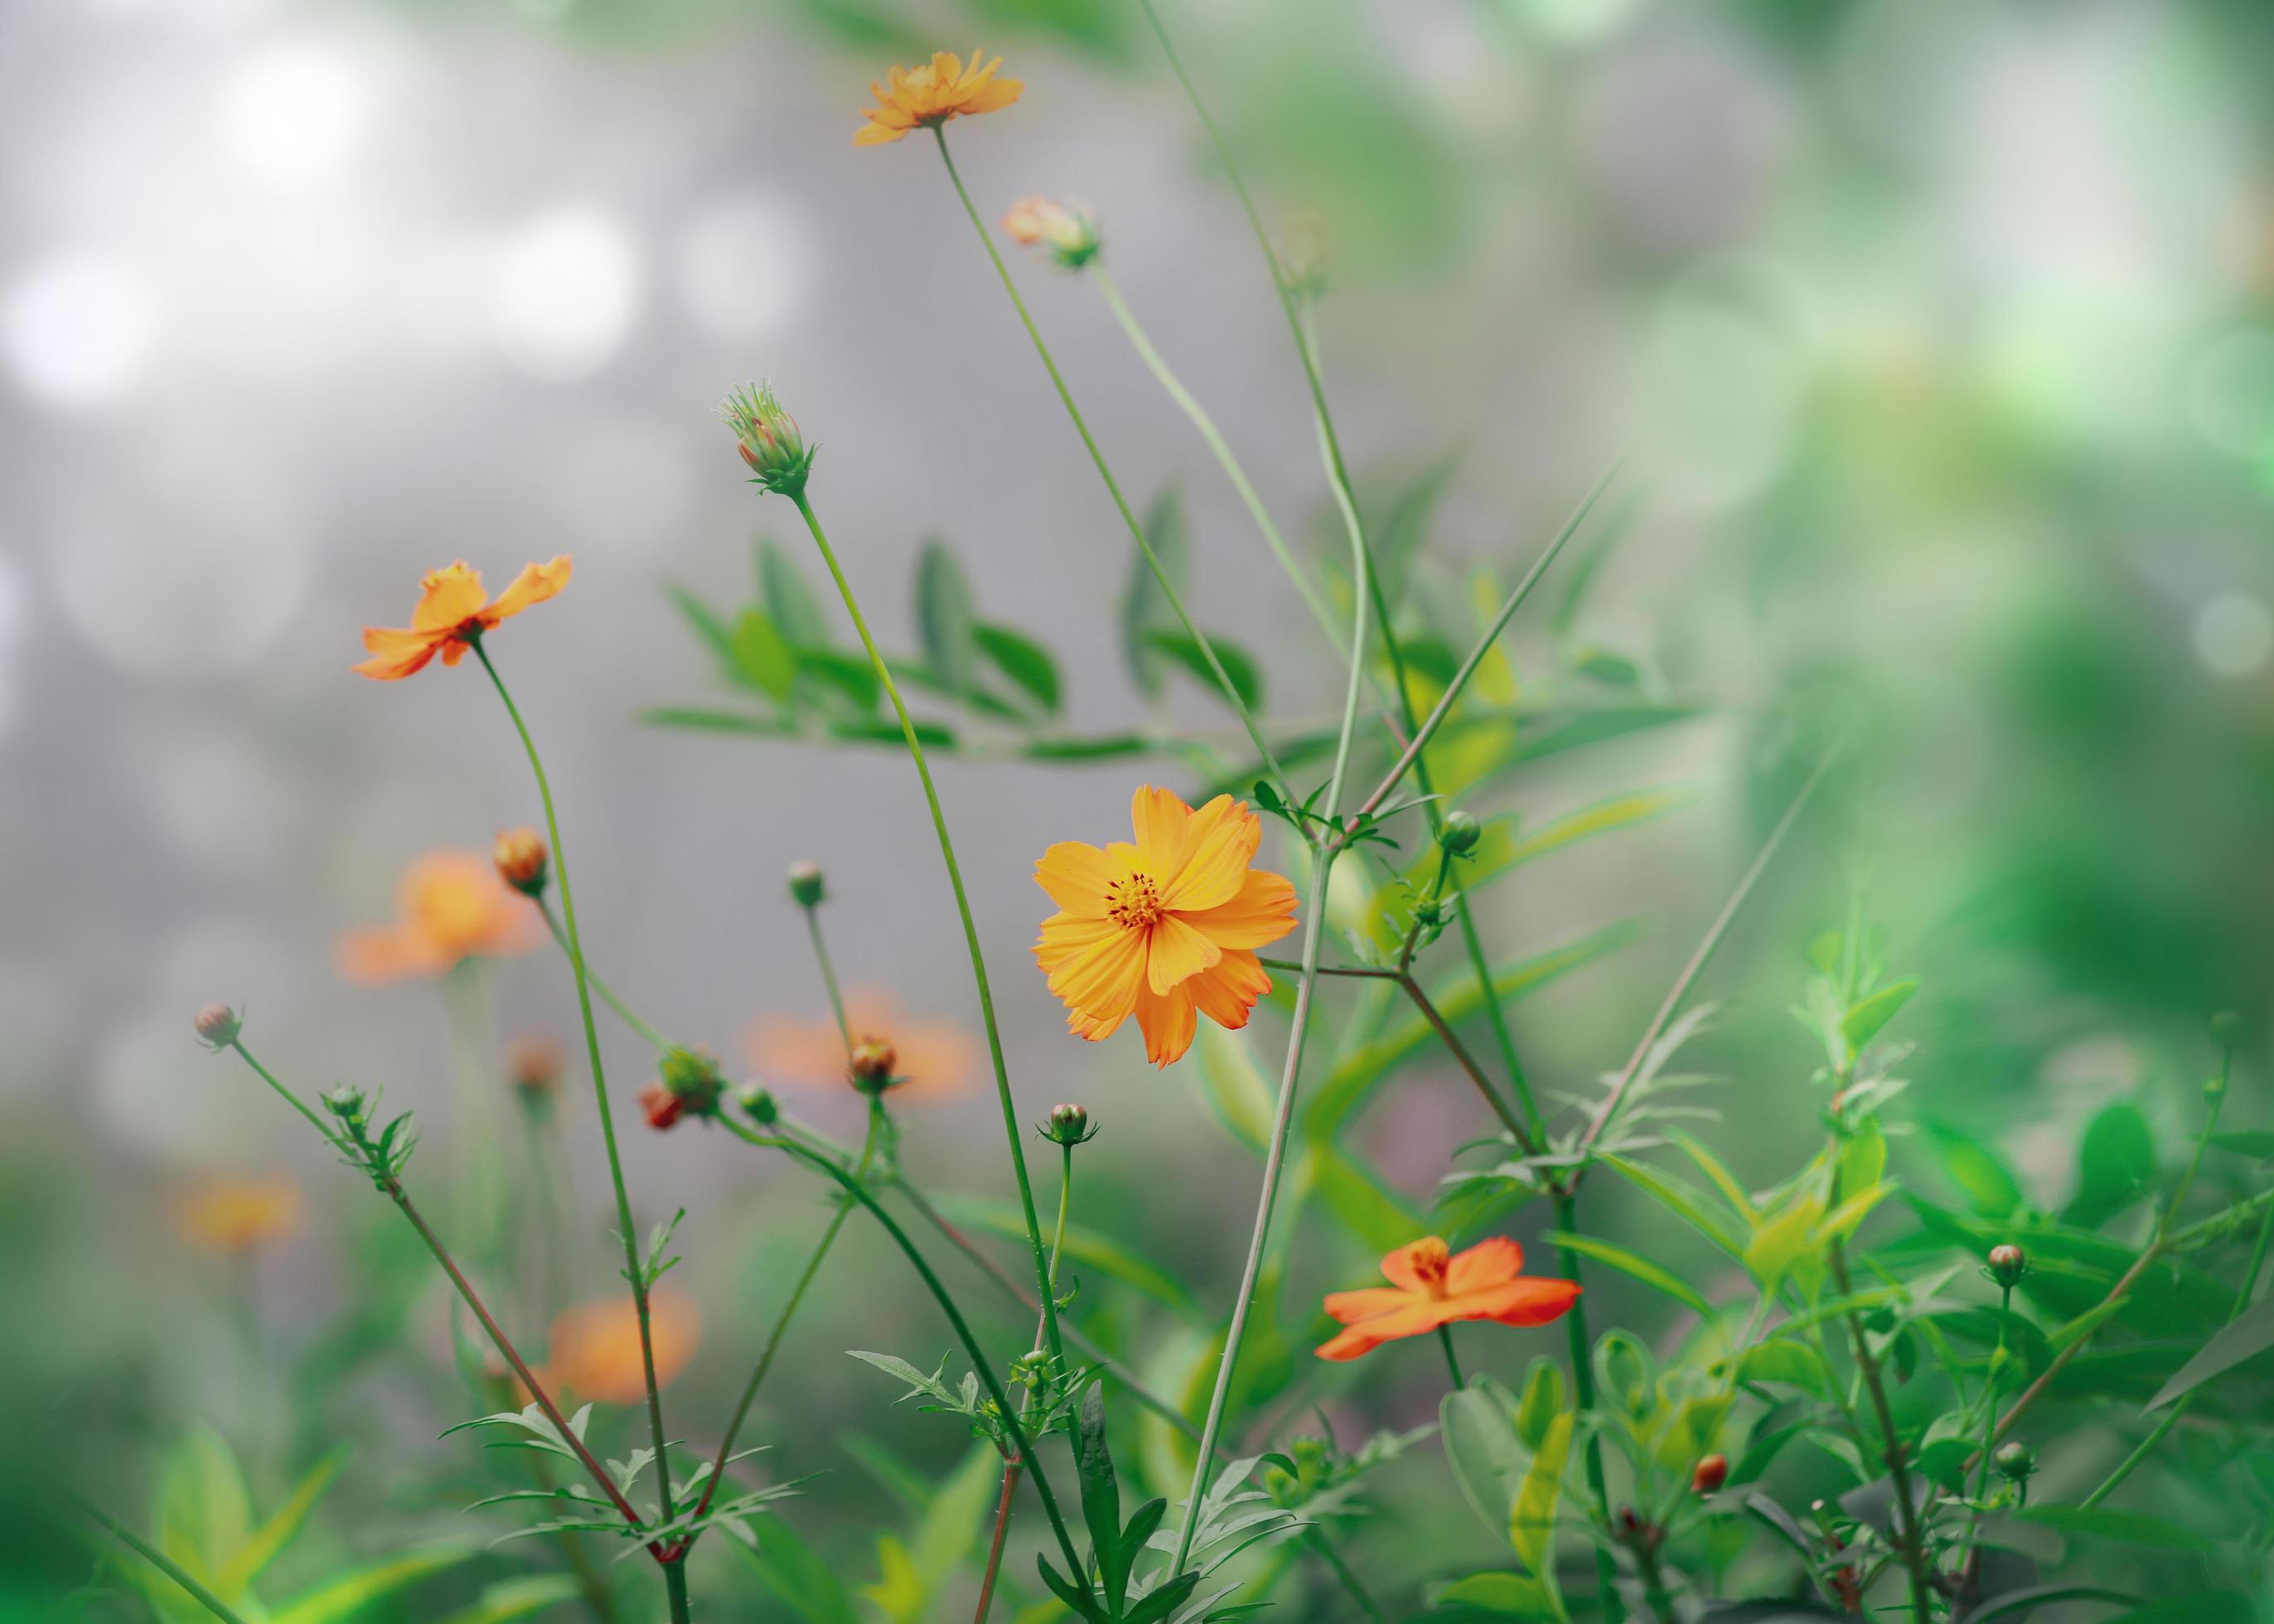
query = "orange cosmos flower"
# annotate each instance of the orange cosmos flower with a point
(1430, 1287)
(921, 98)
(238, 1215)
(595, 1346)
(453, 907)
(1164, 930)
(453, 610)
(935, 1058)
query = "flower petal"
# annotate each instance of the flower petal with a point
(1176, 953)
(1220, 839)
(1416, 1320)
(395, 654)
(1168, 1022)
(1159, 818)
(1349, 1308)
(1226, 991)
(534, 584)
(449, 598)
(1529, 1301)
(1063, 935)
(1102, 979)
(1400, 1270)
(1493, 1262)
(382, 953)
(1261, 912)
(1076, 873)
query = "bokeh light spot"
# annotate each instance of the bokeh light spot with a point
(77, 330)
(291, 114)
(565, 292)
(2233, 634)
(743, 265)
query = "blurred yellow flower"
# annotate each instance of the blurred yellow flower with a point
(1164, 930)
(920, 98)
(453, 610)
(936, 1058)
(453, 907)
(236, 1214)
(595, 1346)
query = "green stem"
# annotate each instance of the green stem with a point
(980, 1362)
(1582, 1391)
(655, 1039)
(157, 1559)
(962, 908)
(1989, 1415)
(829, 977)
(1176, 391)
(635, 1271)
(293, 1099)
(1113, 488)
(1445, 1336)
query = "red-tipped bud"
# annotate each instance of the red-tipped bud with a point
(873, 1059)
(663, 1107)
(522, 860)
(1709, 1474)
(217, 1024)
(2007, 1264)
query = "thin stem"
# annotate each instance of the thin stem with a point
(624, 1013)
(828, 976)
(1988, 1418)
(1703, 955)
(292, 1100)
(1113, 488)
(1583, 1390)
(157, 1557)
(1524, 1137)
(1452, 1364)
(635, 1271)
(1176, 391)
(980, 1362)
(962, 908)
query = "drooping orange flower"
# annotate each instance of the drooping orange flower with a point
(453, 907)
(453, 609)
(595, 1346)
(941, 89)
(936, 1059)
(1430, 1286)
(1164, 930)
(237, 1215)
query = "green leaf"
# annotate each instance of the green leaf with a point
(1484, 1450)
(1509, 1595)
(2131, 1527)
(204, 1514)
(1542, 1402)
(1682, 1199)
(798, 1576)
(273, 1535)
(1531, 1520)
(1722, 1179)
(1795, 1364)
(945, 622)
(1239, 668)
(1657, 1276)
(2115, 1164)
(1144, 606)
(2257, 1144)
(1232, 1086)
(852, 675)
(789, 603)
(1101, 1495)
(945, 1539)
(1026, 662)
(342, 1598)
(2197, 1608)
(516, 1598)
(2249, 1335)
(762, 656)
(1086, 1248)
(1865, 1017)
(1398, 534)
(1981, 1176)
(707, 625)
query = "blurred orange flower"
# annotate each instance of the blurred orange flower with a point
(1166, 928)
(453, 907)
(1430, 1286)
(236, 1214)
(453, 609)
(938, 1058)
(595, 1346)
(941, 89)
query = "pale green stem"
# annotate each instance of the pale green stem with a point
(635, 1271)
(962, 908)
(1112, 486)
(157, 1559)
(1445, 1336)
(1176, 391)
(655, 1039)
(829, 979)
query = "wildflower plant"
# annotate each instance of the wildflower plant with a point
(1846, 1412)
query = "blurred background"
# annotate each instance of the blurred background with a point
(1943, 331)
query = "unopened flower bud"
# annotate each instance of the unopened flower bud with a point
(218, 1025)
(2015, 1462)
(1065, 227)
(346, 1102)
(533, 1061)
(663, 1108)
(1709, 1474)
(691, 1076)
(873, 1059)
(1460, 834)
(759, 1105)
(1429, 913)
(1069, 1125)
(806, 886)
(768, 438)
(2007, 1264)
(521, 860)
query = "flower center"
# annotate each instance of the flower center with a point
(1133, 902)
(1432, 1263)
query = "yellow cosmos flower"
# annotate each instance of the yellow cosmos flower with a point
(238, 1215)
(1166, 928)
(453, 610)
(453, 905)
(919, 98)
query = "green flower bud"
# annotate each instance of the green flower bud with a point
(692, 1077)
(2015, 1462)
(2007, 1264)
(759, 1105)
(1460, 833)
(806, 886)
(769, 441)
(1069, 1125)
(218, 1025)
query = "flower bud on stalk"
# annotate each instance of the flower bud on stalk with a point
(807, 888)
(1064, 226)
(1712, 1473)
(1069, 1125)
(759, 1105)
(533, 1061)
(218, 1025)
(2016, 1462)
(769, 441)
(348, 1103)
(1460, 833)
(873, 1060)
(2007, 1265)
(522, 860)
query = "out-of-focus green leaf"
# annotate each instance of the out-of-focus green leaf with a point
(2194, 1607)
(850, 674)
(713, 631)
(946, 628)
(797, 1575)
(1232, 1086)
(1397, 535)
(1794, 1364)
(2250, 1335)
(342, 1598)
(1026, 662)
(2255, 1143)
(944, 1539)
(761, 656)
(273, 1536)
(1531, 1520)
(1505, 1594)
(1683, 1200)
(1867, 1015)
(1484, 1450)
(789, 603)
(2131, 1527)
(516, 1598)
(203, 1519)
(1657, 1276)
(1144, 606)
(1376, 1215)
(1981, 1177)
(1084, 1248)
(1239, 668)
(2115, 1164)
